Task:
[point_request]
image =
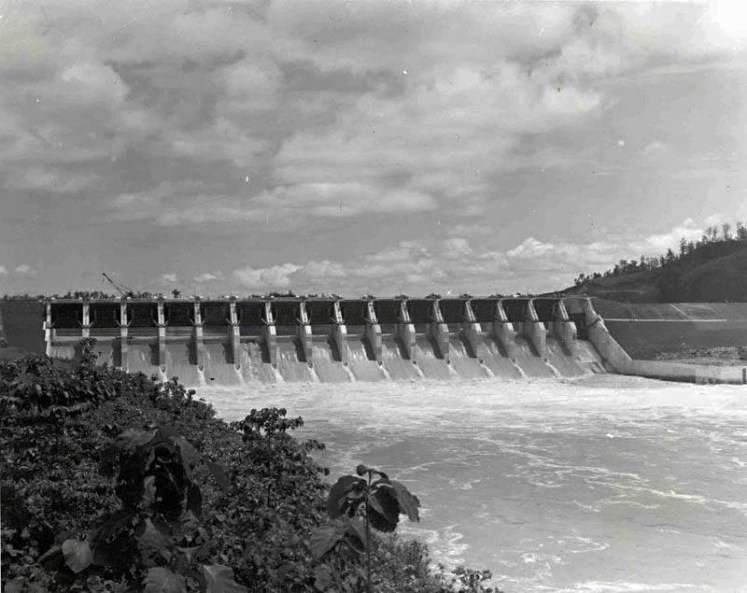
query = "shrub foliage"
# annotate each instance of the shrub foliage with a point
(118, 482)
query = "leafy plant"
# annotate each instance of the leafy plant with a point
(355, 505)
(187, 501)
(156, 537)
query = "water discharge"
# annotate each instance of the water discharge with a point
(600, 484)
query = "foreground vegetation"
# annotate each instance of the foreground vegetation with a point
(115, 482)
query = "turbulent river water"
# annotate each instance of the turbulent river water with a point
(601, 484)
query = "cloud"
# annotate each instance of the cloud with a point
(3, 271)
(50, 179)
(655, 151)
(456, 247)
(184, 203)
(169, 277)
(658, 243)
(443, 135)
(270, 277)
(360, 112)
(533, 265)
(336, 108)
(208, 277)
(468, 230)
(26, 270)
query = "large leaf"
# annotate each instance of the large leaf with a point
(408, 502)
(338, 494)
(194, 499)
(216, 578)
(131, 439)
(362, 470)
(324, 538)
(77, 554)
(189, 453)
(162, 580)
(383, 501)
(154, 544)
(322, 577)
(355, 535)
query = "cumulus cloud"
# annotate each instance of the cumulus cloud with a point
(378, 106)
(533, 265)
(50, 179)
(270, 277)
(26, 270)
(185, 203)
(655, 150)
(468, 230)
(162, 113)
(169, 277)
(206, 277)
(3, 271)
(658, 243)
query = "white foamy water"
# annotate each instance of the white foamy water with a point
(605, 484)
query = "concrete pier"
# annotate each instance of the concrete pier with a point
(161, 325)
(339, 333)
(534, 329)
(234, 335)
(503, 329)
(124, 327)
(304, 333)
(439, 332)
(564, 329)
(406, 331)
(373, 331)
(86, 324)
(269, 334)
(48, 331)
(471, 329)
(199, 336)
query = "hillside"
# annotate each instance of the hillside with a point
(713, 272)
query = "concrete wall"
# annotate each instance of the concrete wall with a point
(22, 325)
(620, 361)
(690, 373)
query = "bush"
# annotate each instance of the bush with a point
(116, 482)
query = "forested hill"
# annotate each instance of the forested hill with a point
(709, 271)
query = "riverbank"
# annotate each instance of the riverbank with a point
(113, 482)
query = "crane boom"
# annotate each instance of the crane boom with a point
(122, 290)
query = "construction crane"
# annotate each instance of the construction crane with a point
(122, 290)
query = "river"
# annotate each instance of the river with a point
(602, 484)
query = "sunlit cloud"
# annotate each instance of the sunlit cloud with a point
(26, 270)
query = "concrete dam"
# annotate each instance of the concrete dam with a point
(237, 341)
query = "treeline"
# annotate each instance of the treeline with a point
(77, 294)
(725, 235)
(131, 294)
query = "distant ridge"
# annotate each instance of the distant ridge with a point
(714, 272)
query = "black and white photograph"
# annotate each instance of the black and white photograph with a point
(373, 296)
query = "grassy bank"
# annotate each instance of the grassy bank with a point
(115, 482)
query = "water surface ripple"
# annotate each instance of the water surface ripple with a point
(602, 484)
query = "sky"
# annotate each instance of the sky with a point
(361, 147)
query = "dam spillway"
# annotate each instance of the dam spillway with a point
(235, 341)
